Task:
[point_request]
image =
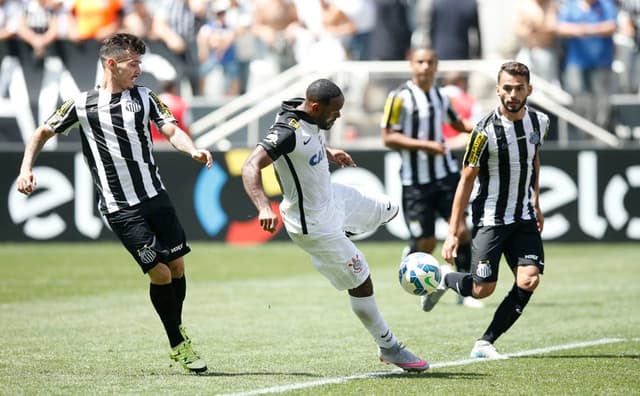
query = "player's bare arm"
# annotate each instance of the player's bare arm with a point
(340, 157)
(182, 142)
(460, 202)
(536, 193)
(26, 182)
(252, 182)
(398, 140)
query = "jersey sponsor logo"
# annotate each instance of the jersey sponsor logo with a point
(133, 105)
(317, 158)
(475, 146)
(393, 110)
(484, 269)
(147, 254)
(294, 123)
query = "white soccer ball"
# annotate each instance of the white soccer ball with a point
(419, 274)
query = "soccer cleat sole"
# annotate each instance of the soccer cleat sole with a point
(416, 367)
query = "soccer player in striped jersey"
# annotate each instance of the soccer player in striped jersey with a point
(412, 124)
(320, 215)
(113, 120)
(502, 159)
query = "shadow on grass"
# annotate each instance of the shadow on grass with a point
(431, 375)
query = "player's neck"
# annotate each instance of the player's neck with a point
(110, 85)
(512, 116)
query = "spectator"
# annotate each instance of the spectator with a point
(216, 46)
(630, 29)
(391, 35)
(39, 25)
(314, 43)
(351, 21)
(95, 20)
(272, 20)
(455, 29)
(535, 26)
(588, 27)
(455, 87)
(138, 20)
(177, 23)
(179, 108)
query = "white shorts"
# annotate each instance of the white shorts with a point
(333, 254)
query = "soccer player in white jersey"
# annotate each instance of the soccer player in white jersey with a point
(113, 120)
(318, 214)
(502, 159)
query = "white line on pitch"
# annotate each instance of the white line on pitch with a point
(338, 380)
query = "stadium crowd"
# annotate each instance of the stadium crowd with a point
(590, 48)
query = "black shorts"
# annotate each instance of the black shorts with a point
(520, 243)
(421, 203)
(150, 231)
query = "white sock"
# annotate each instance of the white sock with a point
(366, 310)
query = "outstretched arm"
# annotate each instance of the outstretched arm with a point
(460, 202)
(26, 182)
(252, 181)
(182, 142)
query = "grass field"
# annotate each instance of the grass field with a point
(76, 319)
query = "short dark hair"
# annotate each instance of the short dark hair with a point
(120, 44)
(323, 90)
(515, 69)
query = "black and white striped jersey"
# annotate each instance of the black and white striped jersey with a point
(116, 141)
(505, 152)
(419, 114)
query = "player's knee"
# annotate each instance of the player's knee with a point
(483, 290)
(528, 282)
(160, 274)
(177, 267)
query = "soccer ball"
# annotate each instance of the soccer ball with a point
(419, 274)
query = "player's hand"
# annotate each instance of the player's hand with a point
(450, 248)
(203, 156)
(268, 219)
(26, 183)
(340, 157)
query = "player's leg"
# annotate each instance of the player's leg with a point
(344, 265)
(419, 215)
(524, 254)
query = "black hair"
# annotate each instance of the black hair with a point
(322, 91)
(514, 69)
(120, 45)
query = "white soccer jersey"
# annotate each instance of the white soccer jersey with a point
(505, 152)
(297, 146)
(419, 114)
(116, 142)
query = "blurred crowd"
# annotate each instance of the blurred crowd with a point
(590, 48)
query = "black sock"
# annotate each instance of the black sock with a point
(163, 299)
(413, 246)
(507, 313)
(180, 290)
(461, 282)
(463, 261)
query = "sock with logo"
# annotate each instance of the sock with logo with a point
(163, 299)
(460, 282)
(507, 313)
(180, 290)
(366, 310)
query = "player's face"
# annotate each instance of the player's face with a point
(330, 112)
(424, 64)
(127, 70)
(513, 92)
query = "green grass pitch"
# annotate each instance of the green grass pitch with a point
(76, 320)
